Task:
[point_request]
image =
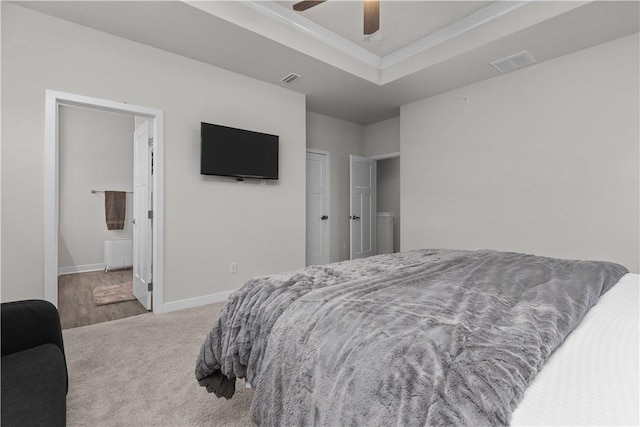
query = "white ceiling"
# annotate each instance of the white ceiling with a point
(428, 48)
(401, 22)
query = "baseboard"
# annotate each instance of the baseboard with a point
(79, 269)
(194, 302)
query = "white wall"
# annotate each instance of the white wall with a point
(388, 199)
(96, 153)
(382, 137)
(208, 222)
(341, 139)
(543, 160)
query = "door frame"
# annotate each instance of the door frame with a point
(328, 174)
(53, 100)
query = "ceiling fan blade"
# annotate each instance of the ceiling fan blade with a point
(306, 4)
(371, 16)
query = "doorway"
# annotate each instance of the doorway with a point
(95, 252)
(388, 204)
(372, 192)
(53, 102)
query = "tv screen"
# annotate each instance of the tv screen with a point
(238, 153)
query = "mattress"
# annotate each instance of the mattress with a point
(592, 378)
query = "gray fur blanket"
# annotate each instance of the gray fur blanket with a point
(431, 337)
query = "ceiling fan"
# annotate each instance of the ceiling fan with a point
(371, 13)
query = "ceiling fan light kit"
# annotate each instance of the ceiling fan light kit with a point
(371, 13)
(376, 38)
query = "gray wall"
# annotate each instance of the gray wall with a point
(543, 160)
(96, 153)
(209, 222)
(389, 194)
(341, 139)
(382, 137)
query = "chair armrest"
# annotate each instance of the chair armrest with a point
(29, 323)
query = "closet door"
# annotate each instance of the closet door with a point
(363, 206)
(318, 221)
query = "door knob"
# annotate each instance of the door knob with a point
(324, 217)
(133, 221)
(354, 217)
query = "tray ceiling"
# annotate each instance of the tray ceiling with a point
(428, 47)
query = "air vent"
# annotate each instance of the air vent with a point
(290, 78)
(512, 62)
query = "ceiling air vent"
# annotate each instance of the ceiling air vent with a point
(290, 78)
(512, 62)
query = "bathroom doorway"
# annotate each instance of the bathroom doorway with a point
(90, 157)
(95, 245)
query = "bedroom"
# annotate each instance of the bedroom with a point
(463, 200)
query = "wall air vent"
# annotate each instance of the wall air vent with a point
(290, 78)
(513, 62)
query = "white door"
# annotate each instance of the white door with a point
(142, 222)
(363, 206)
(317, 208)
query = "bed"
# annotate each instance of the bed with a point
(426, 337)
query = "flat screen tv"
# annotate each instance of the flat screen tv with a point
(238, 153)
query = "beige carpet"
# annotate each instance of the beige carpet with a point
(140, 371)
(111, 294)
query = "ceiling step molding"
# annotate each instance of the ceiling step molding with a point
(468, 23)
(294, 20)
(277, 22)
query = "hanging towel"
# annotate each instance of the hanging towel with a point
(114, 209)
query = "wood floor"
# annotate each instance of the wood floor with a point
(75, 299)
